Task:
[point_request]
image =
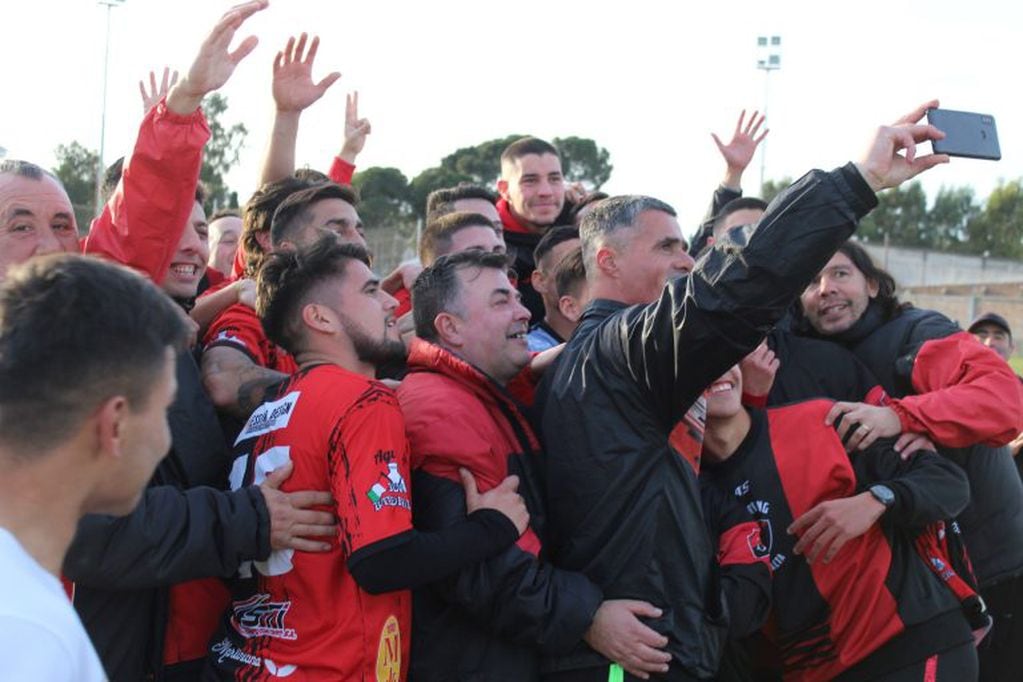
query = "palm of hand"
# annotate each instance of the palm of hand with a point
(293, 87)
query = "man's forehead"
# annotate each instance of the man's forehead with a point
(333, 207)
(481, 206)
(34, 195)
(529, 164)
(657, 225)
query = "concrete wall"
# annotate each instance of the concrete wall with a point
(918, 267)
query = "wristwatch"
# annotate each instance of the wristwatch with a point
(883, 494)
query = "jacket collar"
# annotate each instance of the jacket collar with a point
(426, 357)
(508, 219)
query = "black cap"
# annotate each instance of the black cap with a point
(991, 318)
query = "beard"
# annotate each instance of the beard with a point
(375, 351)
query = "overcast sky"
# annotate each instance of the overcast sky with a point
(647, 80)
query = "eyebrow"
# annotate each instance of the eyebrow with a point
(668, 241)
(502, 291)
(370, 283)
(17, 212)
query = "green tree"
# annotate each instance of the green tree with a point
(773, 188)
(583, 161)
(430, 179)
(221, 154)
(901, 214)
(385, 198)
(948, 219)
(998, 229)
(479, 163)
(76, 168)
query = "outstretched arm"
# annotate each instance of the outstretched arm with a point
(143, 221)
(294, 91)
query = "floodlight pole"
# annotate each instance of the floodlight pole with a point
(110, 4)
(770, 61)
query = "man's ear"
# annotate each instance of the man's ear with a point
(109, 421)
(502, 188)
(449, 329)
(872, 288)
(538, 281)
(606, 262)
(319, 317)
(569, 308)
(263, 239)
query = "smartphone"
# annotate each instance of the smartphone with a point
(967, 134)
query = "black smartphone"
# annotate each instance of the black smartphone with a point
(967, 134)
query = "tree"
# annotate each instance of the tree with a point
(948, 220)
(430, 179)
(77, 171)
(384, 198)
(773, 188)
(479, 163)
(998, 229)
(221, 154)
(901, 214)
(583, 161)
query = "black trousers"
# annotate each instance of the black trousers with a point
(1001, 652)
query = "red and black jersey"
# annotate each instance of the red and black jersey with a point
(302, 615)
(877, 605)
(239, 327)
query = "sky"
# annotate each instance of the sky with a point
(647, 80)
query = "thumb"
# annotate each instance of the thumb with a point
(642, 608)
(511, 484)
(328, 81)
(469, 483)
(278, 476)
(717, 141)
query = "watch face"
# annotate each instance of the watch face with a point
(883, 494)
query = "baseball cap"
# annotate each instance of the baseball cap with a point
(991, 318)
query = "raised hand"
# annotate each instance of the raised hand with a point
(153, 96)
(740, 149)
(293, 86)
(882, 165)
(215, 63)
(356, 129)
(758, 371)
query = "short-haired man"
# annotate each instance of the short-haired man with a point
(495, 620)
(464, 197)
(455, 232)
(532, 189)
(624, 506)
(225, 229)
(324, 616)
(238, 360)
(86, 376)
(554, 328)
(572, 288)
(947, 386)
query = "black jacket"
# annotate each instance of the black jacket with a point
(123, 567)
(992, 524)
(624, 507)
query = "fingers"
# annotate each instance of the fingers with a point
(738, 124)
(303, 545)
(244, 50)
(307, 530)
(300, 47)
(760, 139)
(302, 499)
(806, 520)
(164, 82)
(646, 659)
(511, 484)
(142, 91)
(313, 47)
(289, 51)
(152, 81)
(821, 544)
(754, 124)
(278, 476)
(328, 81)
(472, 493)
(313, 519)
(918, 113)
(718, 142)
(642, 608)
(837, 410)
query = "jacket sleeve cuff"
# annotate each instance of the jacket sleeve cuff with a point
(258, 502)
(163, 113)
(863, 198)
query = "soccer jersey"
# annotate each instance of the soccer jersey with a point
(301, 615)
(238, 327)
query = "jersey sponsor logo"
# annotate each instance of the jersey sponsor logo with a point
(389, 490)
(760, 544)
(761, 540)
(389, 652)
(269, 417)
(257, 616)
(225, 650)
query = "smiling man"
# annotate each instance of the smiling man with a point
(532, 189)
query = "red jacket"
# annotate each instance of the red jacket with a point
(143, 221)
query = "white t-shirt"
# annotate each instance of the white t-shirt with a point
(41, 637)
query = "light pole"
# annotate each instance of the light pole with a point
(768, 60)
(103, 116)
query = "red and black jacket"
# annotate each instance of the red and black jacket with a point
(877, 605)
(944, 383)
(493, 620)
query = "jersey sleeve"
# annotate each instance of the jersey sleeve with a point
(239, 329)
(369, 470)
(965, 394)
(142, 223)
(341, 171)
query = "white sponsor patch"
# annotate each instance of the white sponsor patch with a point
(269, 417)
